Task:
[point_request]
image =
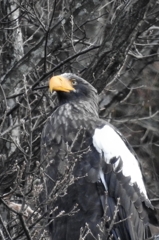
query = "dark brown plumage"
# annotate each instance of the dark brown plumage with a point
(87, 191)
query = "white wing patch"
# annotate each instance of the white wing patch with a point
(107, 141)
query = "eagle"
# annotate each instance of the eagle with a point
(93, 187)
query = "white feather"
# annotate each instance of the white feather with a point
(101, 174)
(108, 141)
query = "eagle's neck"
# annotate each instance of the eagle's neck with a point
(86, 105)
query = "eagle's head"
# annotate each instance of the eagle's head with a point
(71, 88)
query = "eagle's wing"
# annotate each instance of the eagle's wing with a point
(124, 183)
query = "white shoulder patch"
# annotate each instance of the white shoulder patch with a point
(107, 141)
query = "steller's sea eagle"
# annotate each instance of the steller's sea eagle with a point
(93, 185)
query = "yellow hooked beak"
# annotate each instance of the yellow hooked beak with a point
(59, 83)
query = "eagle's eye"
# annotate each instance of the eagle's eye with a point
(73, 81)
